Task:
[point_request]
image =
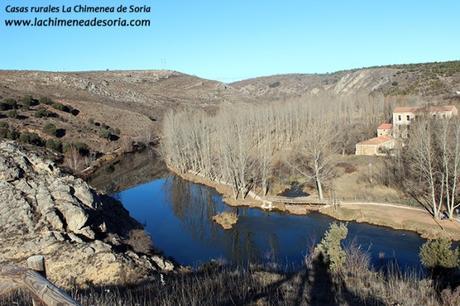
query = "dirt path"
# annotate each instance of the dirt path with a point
(397, 217)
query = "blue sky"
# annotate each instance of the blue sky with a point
(235, 39)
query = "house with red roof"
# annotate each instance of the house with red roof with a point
(385, 129)
(380, 145)
(403, 116)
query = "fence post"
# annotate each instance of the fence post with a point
(37, 264)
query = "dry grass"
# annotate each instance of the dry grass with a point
(355, 284)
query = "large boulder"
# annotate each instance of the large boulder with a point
(85, 236)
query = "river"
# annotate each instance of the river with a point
(178, 216)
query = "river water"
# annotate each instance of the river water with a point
(178, 215)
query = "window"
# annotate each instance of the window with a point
(399, 117)
(408, 118)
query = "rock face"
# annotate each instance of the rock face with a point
(85, 237)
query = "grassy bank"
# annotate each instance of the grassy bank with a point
(400, 218)
(314, 284)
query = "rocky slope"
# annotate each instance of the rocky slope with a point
(439, 80)
(85, 237)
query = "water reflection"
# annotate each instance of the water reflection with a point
(178, 214)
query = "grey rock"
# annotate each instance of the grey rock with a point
(45, 211)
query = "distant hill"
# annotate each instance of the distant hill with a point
(440, 80)
(135, 101)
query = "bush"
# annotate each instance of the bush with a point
(4, 129)
(50, 129)
(13, 114)
(82, 148)
(31, 138)
(61, 107)
(65, 108)
(91, 121)
(3, 132)
(74, 111)
(12, 134)
(46, 100)
(104, 133)
(330, 246)
(11, 103)
(54, 145)
(28, 101)
(43, 113)
(439, 254)
(4, 106)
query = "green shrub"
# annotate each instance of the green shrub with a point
(28, 101)
(46, 100)
(61, 107)
(439, 254)
(31, 138)
(330, 246)
(4, 106)
(13, 114)
(50, 129)
(3, 132)
(43, 113)
(105, 133)
(54, 145)
(13, 134)
(12, 103)
(82, 148)
(4, 124)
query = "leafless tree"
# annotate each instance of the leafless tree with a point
(240, 143)
(421, 149)
(450, 148)
(316, 151)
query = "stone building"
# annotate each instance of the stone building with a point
(403, 116)
(380, 145)
(385, 129)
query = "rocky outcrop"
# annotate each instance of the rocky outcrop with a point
(85, 237)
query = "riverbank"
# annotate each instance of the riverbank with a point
(397, 217)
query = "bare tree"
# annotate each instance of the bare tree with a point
(422, 159)
(450, 148)
(315, 150)
(239, 143)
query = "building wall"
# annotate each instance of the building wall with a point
(373, 149)
(403, 118)
(362, 149)
(383, 132)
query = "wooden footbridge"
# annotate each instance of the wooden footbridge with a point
(295, 200)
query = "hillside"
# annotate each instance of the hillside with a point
(440, 80)
(131, 100)
(107, 111)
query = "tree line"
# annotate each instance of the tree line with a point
(242, 144)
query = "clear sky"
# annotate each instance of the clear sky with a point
(235, 39)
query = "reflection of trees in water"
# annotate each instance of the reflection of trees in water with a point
(195, 205)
